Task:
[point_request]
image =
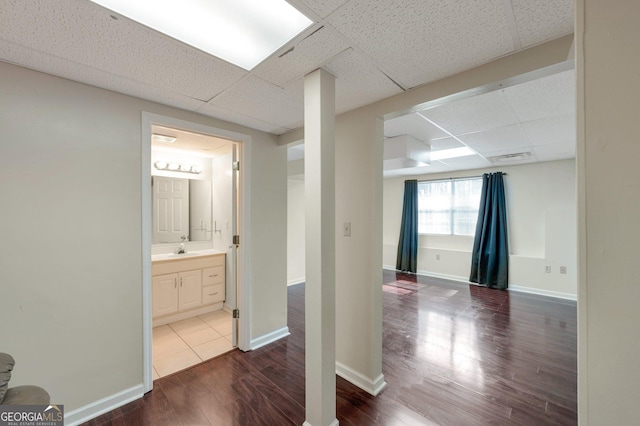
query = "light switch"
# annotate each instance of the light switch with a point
(347, 229)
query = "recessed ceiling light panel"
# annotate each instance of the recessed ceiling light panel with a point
(242, 32)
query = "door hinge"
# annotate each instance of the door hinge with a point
(236, 313)
(236, 166)
(236, 240)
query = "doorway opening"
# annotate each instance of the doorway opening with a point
(193, 214)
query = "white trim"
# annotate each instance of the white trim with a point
(243, 226)
(265, 339)
(541, 292)
(104, 405)
(516, 288)
(147, 229)
(371, 386)
(333, 423)
(296, 281)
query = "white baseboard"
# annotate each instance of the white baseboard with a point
(104, 405)
(333, 423)
(520, 289)
(541, 292)
(265, 339)
(371, 386)
(296, 281)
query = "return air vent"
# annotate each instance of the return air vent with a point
(511, 158)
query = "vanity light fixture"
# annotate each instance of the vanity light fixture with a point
(242, 32)
(156, 137)
(177, 167)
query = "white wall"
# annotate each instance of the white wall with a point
(541, 204)
(609, 200)
(70, 264)
(295, 231)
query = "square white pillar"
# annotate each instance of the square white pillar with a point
(320, 310)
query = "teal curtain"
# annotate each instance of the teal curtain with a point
(408, 245)
(490, 254)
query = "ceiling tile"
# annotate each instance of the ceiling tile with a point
(468, 162)
(226, 114)
(358, 81)
(54, 65)
(542, 20)
(546, 97)
(445, 143)
(85, 33)
(495, 139)
(556, 151)
(323, 7)
(418, 41)
(561, 129)
(263, 101)
(473, 114)
(307, 55)
(413, 125)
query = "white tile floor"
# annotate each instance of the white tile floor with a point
(181, 344)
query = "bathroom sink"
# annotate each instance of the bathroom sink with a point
(170, 256)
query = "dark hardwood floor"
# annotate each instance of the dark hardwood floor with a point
(453, 354)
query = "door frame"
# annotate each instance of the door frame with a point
(242, 279)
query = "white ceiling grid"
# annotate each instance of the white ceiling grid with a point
(536, 117)
(371, 46)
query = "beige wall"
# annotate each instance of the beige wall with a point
(541, 205)
(70, 261)
(359, 257)
(609, 202)
(295, 231)
(359, 201)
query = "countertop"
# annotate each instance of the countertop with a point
(188, 255)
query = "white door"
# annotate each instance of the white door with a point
(190, 286)
(165, 294)
(233, 249)
(171, 208)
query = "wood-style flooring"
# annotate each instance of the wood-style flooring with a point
(453, 354)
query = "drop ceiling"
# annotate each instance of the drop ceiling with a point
(529, 122)
(376, 49)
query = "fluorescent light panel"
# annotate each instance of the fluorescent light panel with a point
(243, 32)
(444, 154)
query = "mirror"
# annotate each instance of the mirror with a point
(181, 207)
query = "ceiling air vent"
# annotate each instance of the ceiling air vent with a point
(511, 158)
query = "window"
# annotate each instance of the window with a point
(449, 207)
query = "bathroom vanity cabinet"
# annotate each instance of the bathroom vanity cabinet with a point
(185, 286)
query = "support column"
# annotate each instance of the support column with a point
(320, 309)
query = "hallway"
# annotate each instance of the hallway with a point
(452, 354)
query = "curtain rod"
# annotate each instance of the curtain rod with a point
(457, 178)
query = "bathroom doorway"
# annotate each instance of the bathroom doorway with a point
(193, 265)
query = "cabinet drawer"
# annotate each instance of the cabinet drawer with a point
(212, 294)
(212, 276)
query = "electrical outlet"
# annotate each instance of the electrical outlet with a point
(563, 269)
(547, 269)
(347, 229)
(437, 257)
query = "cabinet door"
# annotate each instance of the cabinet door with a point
(165, 294)
(190, 286)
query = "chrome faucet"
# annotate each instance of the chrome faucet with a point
(182, 248)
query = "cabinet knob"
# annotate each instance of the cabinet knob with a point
(213, 294)
(175, 283)
(211, 276)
